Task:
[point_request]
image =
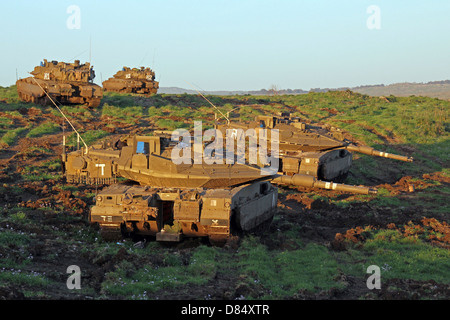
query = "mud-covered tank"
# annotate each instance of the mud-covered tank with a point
(127, 80)
(66, 83)
(318, 151)
(171, 201)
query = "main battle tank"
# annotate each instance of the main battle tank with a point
(141, 81)
(168, 200)
(67, 83)
(318, 151)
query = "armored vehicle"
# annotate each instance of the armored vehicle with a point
(140, 81)
(168, 200)
(318, 151)
(67, 83)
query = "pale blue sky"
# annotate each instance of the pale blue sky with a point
(234, 45)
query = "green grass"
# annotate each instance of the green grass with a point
(23, 278)
(15, 190)
(399, 257)
(18, 217)
(80, 112)
(9, 129)
(44, 172)
(10, 95)
(10, 137)
(40, 176)
(155, 112)
(171, 124)
(432, 198)
(8, 238)
(285, 273)
(6, 123)
(118, 99)
(415, 119)
(127, 281)
(89, 137)
(43, 129)
(125, 114)
(52, 165)
(159, 115)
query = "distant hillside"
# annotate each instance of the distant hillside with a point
(176, 90)
(262, 92)
(433, 89)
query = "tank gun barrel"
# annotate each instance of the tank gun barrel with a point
(307, 181)
(372, 152)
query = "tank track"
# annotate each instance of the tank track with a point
(111, 233)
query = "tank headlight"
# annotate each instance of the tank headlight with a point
(99, 198)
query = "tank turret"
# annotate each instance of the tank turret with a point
(66, 83)
(318, 151)
(137, 80)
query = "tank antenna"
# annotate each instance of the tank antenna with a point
(78, 55)
(153, 61)
(142, 60)
(90, 49)
(223, 115)
(78, 134)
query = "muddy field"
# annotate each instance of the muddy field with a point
(327, 238)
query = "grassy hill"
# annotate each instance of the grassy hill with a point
(435, 89)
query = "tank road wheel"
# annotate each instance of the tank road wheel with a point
(31, 99)
(27, 98)
(43, 101)
(24, 97)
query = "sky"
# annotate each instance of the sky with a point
(233, 44)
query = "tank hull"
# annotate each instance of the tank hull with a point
(31, 90)
(131, 86)
(172, 214)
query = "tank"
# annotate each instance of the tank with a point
(171, 201)
(66, 83)
(139, 81)
(313, 150)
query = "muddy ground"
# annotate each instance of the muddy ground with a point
(58, 213)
